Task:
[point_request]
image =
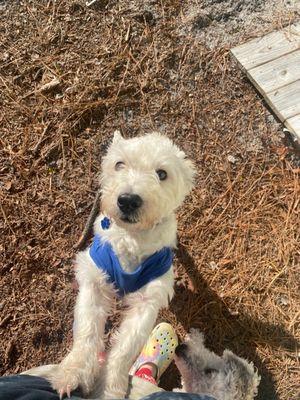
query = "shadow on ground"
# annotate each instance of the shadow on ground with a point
(223, 329)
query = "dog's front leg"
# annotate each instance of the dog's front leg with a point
(81, 366)
(139, 320)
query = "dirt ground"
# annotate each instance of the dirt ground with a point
(69, 76)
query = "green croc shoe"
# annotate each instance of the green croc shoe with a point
(159, 349)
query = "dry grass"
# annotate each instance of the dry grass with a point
(128, 66)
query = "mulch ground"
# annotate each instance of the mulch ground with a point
(69, 76)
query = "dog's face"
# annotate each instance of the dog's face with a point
(143, 180)
(226, 378)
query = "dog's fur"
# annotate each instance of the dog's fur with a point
(225, 378)
(133, 239)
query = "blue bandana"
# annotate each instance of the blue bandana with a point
(153, 267)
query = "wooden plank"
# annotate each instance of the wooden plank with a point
(272, 63)
(286, 100)
(268, 48)
(277, 73)
(293, 125)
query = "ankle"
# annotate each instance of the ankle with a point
(147, 372)
(151, 367)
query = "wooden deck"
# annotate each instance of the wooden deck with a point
(272, 63)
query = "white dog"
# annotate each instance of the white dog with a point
(144, 180)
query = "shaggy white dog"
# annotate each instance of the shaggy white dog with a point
(143, 181)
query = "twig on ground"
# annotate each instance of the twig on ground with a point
(89, 224)
(47, 87)
(90, 3)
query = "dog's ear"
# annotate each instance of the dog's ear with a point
(117, 137)
(196, 336)
(189, 170)
(242, 375)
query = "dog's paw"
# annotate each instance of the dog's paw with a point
(116, 383)
(67, 378)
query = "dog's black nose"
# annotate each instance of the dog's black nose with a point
(181, 349)
(128, 203)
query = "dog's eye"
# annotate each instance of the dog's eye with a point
(119, 165)
(162, 174)
(209, 371)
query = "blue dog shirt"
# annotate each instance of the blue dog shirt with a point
(153, 267)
